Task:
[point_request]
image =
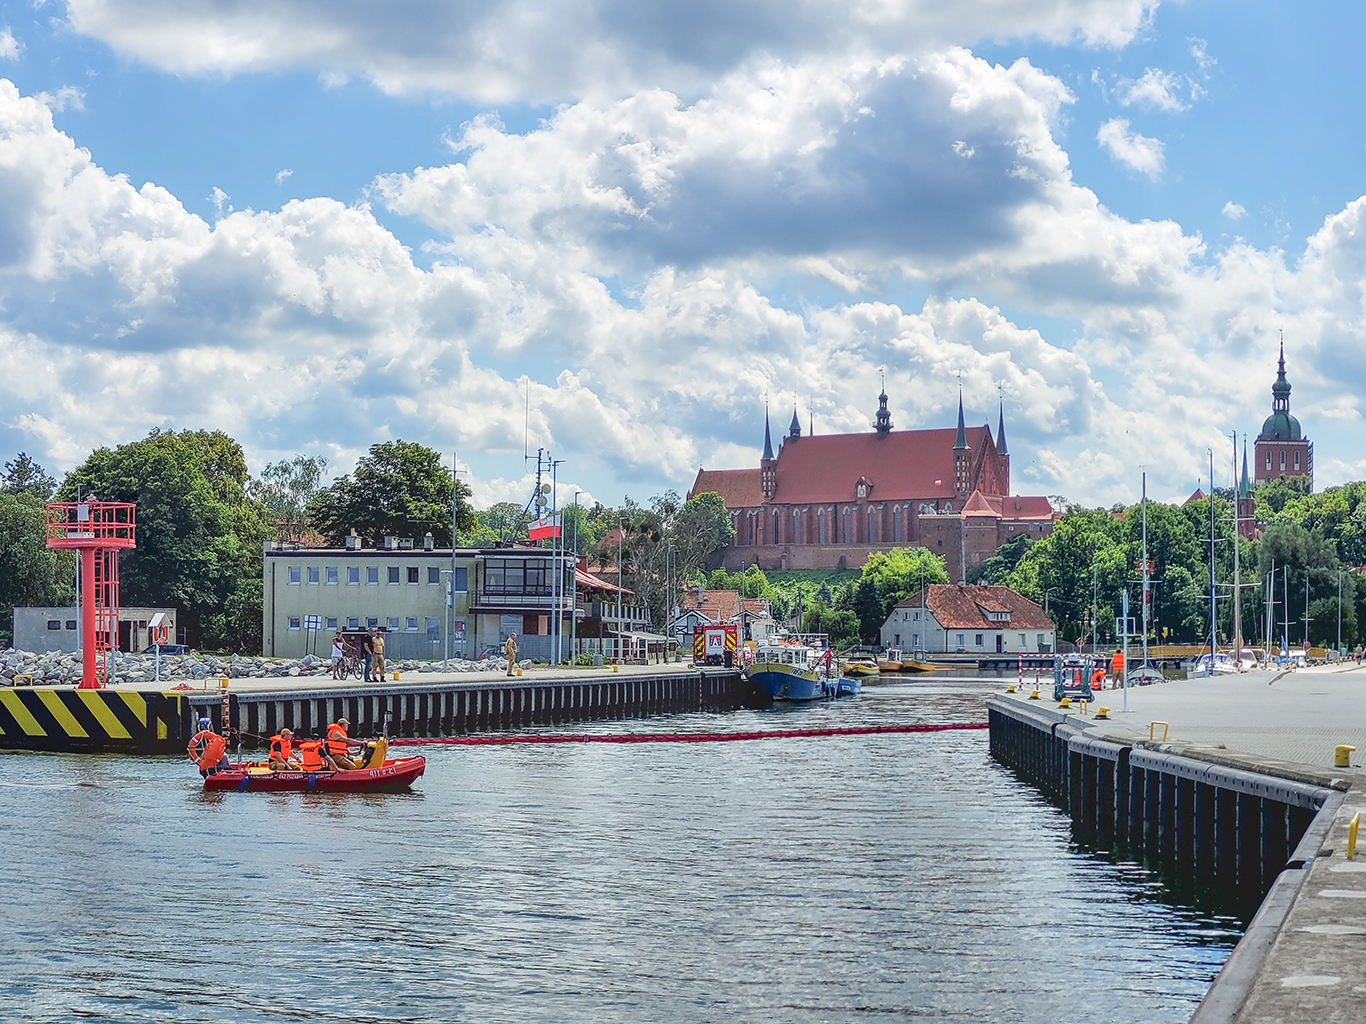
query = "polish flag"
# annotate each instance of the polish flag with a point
(543, 528)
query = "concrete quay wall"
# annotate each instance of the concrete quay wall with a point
(434, 709)
(1229, 830)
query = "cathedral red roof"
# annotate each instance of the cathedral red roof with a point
(738, 488)
(902, 466)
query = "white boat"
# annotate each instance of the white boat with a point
(1223, 665)
(795, 671)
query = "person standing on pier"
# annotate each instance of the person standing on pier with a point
(367, 650)
(510, 652)
(377, 642)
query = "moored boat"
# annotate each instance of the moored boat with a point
(378, 774)
(793, 671)
(859, 668)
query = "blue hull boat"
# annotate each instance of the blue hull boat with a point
(794, 673)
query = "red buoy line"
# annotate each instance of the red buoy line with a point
(681, 737)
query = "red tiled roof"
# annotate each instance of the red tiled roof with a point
(902, 466)
(590, 582)
(739, 488)
(720, 605)
(957, 607)
(1016, 506)
(977, 505)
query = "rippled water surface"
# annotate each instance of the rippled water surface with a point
(829, 879)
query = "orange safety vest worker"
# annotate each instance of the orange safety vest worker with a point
(207, 748)
(1117, 662)
(309, 758)
(280, 747)
(336, 739)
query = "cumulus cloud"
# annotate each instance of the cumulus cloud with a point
(66, 96)
(1233, 211)
(282, 175)
(1137, 152)
(9, 46)
(1155, 89)
(505, 50)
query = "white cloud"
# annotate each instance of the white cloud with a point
(66, 96)
(1233, 211)
(282, 175)
(1155, 89)
(9, 46)
(505, 50)
(1137, 152)
(1200, 54)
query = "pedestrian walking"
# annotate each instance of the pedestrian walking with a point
(510, 652)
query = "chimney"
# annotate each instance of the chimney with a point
(427, 541)
(390, 543)
(352, 541)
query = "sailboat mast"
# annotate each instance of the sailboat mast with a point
(1213, 615)
(1237, 589)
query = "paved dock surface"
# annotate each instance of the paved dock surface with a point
(1313, 967)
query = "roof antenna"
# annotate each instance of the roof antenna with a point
(526, 417)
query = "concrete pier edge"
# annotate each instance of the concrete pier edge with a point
(1254, 984)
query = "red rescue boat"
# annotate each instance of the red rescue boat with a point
(378, 775)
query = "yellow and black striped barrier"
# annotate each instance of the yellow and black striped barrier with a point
(93, 721)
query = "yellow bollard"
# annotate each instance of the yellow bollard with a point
(1102, 712)
(1152, 728)
(1066, 702)
(1352, 835)
(1342, 755)
(519, 671)
(222, 682)
(1082, 705)
(1034, 695)
(395, 677)
(615, 667)
(1010, 688)
(24, 676)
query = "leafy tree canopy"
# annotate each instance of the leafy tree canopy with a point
(30, 573)
(24, 476)
(285, 488)
(398, 489)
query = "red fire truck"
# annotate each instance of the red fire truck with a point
(715, 645)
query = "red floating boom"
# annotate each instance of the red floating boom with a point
(684, 737)
(98, 530)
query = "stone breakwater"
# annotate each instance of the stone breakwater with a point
(56, 669)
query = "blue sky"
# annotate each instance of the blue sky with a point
(656, 216)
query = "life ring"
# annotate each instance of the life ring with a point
(1098, 679)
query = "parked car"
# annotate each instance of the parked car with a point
(167, 649)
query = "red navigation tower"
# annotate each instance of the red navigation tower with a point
(98, 530)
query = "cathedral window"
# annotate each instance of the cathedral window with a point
(796, 527)
(1282, 460)
(775, 526)
(872, 527)
(896, 524)
(844, 538)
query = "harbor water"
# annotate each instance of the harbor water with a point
(897, 876)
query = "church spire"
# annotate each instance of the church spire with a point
(960, 443)
(1244, 488)
(884, 417)
(768, 437)
(795, 430)
(1001, 431)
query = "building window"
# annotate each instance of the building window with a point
(295, 575)
(412, 624)
(460, 580)
(820, 526)
(331, 575)
(294, 622)
(960, 639)
(896, 524)
(353, 575)
(393, 574)
(433, 626)
(796, 527)
(54, 623)
(1040, 636)
(844, 537)
(372, 575)
(331, 622)
(514, 576)
(371, 622)
(71, 624)
(1268, 461)
(1297, 461)
(413, 574)
(872, 527)
(977, 640)
(775, 526)
(353, 623)
(1282, 460)
(433, 575)
(1023, 641)
(313, 575)
(915, 616)
(392, 623)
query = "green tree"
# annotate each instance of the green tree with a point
(700, 528)
(1323, 621)
(840, 627)
(24, 476)
(897, 574)
(999, 566)
(398, 489)
(30, 573)
(285, 488)
(868, 609)
(199, 536)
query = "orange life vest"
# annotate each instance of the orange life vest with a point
(336, 740)
(1097, 678)
(214, 746)
(1117, 662)
(280, 748)
(309, 758)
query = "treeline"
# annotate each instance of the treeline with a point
(1316, 544)
(203, 520)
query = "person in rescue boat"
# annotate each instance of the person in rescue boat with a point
(311, 758)
(339, 744)
(282, 752)
(208, 750)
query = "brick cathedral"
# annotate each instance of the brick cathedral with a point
(828, 502)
